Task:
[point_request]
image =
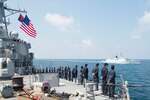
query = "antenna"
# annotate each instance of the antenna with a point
(2, 1)
(14, 11)
(3, 16)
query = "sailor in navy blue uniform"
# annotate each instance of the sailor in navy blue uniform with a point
(95, 73)
(104, 73)
(76, 73)
(86, 71)
(81, 74)
(111, 81)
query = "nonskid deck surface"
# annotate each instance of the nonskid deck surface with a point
(65, 86)
(71, 87)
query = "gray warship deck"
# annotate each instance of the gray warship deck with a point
(65, 86)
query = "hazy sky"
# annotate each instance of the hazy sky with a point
(89, 29)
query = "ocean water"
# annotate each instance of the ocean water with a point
(135, 74)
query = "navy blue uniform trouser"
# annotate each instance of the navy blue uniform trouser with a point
(82, 78)
(96, 81)
(104, 86)
(111, 89)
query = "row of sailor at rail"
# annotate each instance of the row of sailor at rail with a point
(107, 77)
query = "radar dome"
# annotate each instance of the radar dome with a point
(14, 34)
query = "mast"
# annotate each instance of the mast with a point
(14, 52)
(3, 22)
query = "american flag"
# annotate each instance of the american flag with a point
(27, 26)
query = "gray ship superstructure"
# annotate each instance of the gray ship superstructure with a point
(14, 52)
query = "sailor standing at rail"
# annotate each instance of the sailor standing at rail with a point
(95, 73)
(76, 73)
(65, 73)
(62, 72)
(86, 72)
(111, 81)
(81, 74)
(104, 73)
(69, 74)
(73, 74)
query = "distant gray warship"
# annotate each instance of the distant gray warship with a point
(14, 52)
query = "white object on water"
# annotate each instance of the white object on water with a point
(120, 60)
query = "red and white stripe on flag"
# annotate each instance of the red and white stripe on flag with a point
(29, 29)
